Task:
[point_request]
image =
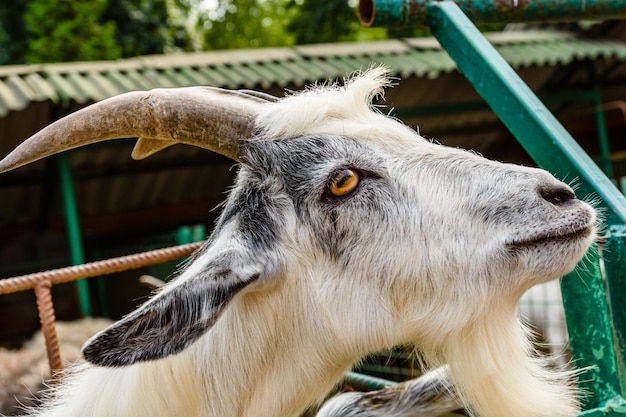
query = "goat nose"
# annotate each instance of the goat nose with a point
(556, 194)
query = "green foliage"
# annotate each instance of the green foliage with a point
(12, 32)
(233, 24)
(184, 25)
(246, 24)
(141, 25)
(322, 21)
(68, 30)
(64, 30)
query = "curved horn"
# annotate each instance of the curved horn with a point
(211, 118)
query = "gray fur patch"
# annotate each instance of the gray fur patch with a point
(303, 168)
(167, 324)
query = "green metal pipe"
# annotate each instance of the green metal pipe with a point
(386, 13)
(73, 230)
(614, 256)
(613, 407)
(183, 235)
(603, 136)
(590, 332)
(363, 381)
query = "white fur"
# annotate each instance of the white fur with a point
(424, 261)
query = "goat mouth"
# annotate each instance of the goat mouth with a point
(552, 237)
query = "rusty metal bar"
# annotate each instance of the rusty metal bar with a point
(93, 269)
(45, 307)
(73, 230)
(42, 283)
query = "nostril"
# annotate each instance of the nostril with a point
(557, 195)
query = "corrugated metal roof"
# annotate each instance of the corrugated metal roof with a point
(281, 67)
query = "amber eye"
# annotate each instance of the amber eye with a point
(344, 182)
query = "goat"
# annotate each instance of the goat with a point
(345, 233)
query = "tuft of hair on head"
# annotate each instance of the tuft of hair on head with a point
(309, 111)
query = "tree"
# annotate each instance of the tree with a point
(322, 21)
(68, 30)
(257, 23)
(184, 25)
(64, 30)
(141, 25)
(246, 24)
(12, 32)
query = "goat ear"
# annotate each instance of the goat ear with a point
(180, 314)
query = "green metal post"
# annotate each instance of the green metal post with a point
(198, 233)
(73, 230)
(189, 234)
(603, 137)
(386, 13)
(589, 325)
(614, 256)
(183, 235)
(367, 381)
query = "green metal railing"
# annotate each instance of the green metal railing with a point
(592, 296)
(73, 230)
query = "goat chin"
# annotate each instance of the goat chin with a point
(498, 374)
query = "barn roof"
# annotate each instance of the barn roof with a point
(265, 68)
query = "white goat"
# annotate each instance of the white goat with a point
(345, 233)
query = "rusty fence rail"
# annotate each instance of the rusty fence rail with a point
(42, 283)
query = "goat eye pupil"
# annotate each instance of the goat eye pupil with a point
(344, 182)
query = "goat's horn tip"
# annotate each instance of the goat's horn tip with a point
(144, 147)
(4, 168)
(11, 162)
